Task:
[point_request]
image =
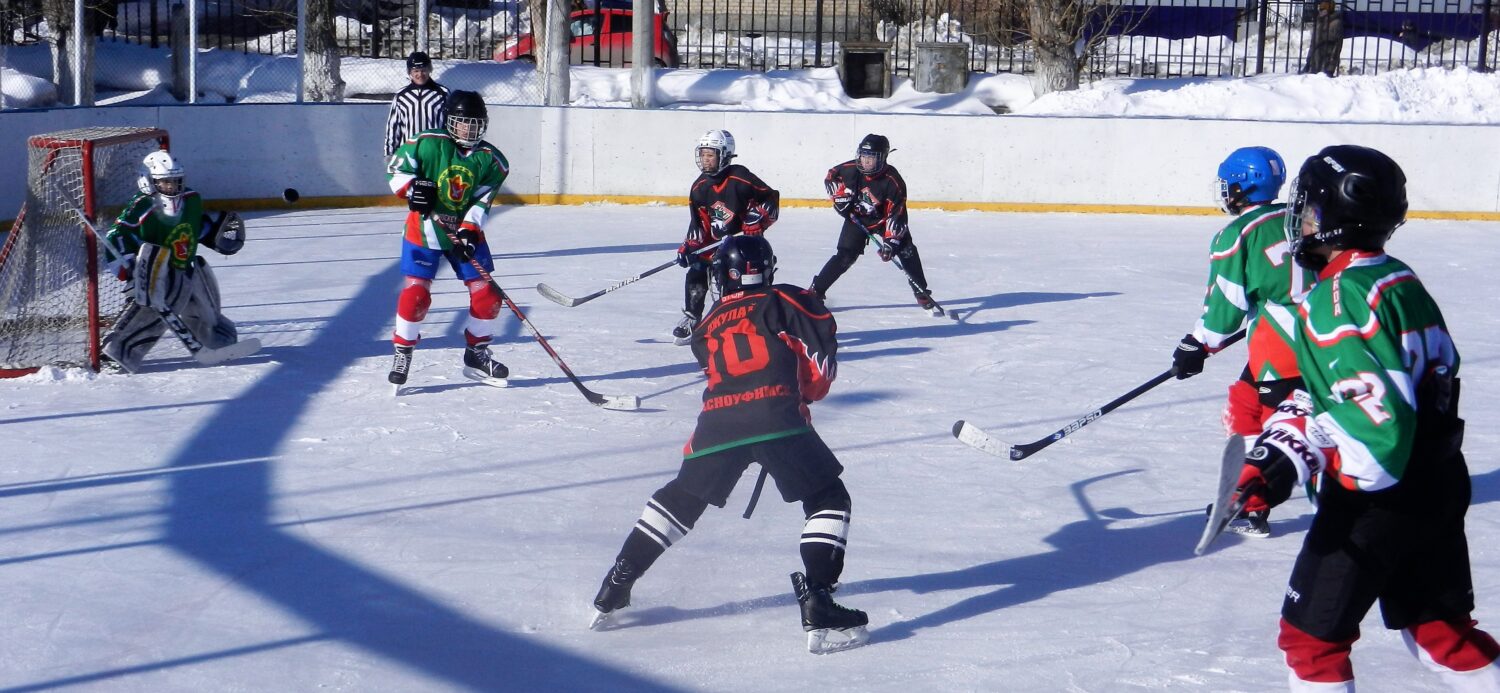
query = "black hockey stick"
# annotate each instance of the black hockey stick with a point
(615, 402)
(896, 260)
(557, 297)
(205, 355)
(974, 437)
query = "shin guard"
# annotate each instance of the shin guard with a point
(825, 536)
(411, 310)
(1461, 654)
(1316, 664)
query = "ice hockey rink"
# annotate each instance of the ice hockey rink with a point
(283, 523)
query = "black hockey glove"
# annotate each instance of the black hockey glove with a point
(1187, 360)
(468, 241)
(1268, 477)
(422, 197)
(889, 248)
(684, 258)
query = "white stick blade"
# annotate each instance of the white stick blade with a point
(972, 436)
(621, 402)
(237, 350)
(552, 295)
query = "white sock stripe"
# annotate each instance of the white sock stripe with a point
(653, 505)
(824, 539)
(830, 515)
(661, 524)
(828, 527)
(656, 536)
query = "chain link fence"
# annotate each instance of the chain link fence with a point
(247, 48)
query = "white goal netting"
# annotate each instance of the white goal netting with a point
(56, 297)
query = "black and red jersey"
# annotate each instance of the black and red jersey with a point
(732, 201)
(875, 203)
(767, 354)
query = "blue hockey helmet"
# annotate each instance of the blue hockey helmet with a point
(1250, 175)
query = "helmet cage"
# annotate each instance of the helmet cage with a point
(719, 141)
(467, 131)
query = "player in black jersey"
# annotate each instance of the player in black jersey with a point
(725, 199)
(769, 351)
(871, 197)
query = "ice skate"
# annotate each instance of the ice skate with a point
(400, 368)
(1256, 525)
(925, 302)
(614, 594)
(830, 626)
(682, 334)
(480, 366)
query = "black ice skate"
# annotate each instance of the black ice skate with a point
(830, 626)
(682, 334)
(925, 302)
(614, 594)
(400, 368)
(1257, 525)
(478, 365)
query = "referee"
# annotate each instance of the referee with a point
(418, 106)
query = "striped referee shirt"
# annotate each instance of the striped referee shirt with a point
(416, 108)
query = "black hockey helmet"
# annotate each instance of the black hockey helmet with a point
(873, 145)
(743, 262)
(468, 117)
(1353, 196)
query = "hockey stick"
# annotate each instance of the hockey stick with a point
(896, 260)
(974, 437)
(557, 297)
(615, 402)
(205, 355)
(1224, 511)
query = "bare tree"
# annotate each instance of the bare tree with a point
(321, 65)
(59, 16)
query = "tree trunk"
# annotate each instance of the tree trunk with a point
(1055, 28)
(321, 65)
(59, 16)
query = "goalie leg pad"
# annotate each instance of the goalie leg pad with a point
(157, 283)
(201, 310)
(133, 335)
(411, 310)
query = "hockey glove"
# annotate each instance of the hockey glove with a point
(889, 248)
(121, 267)
(1187, 360)
(468, 240)
(684, 257)
(1268, 477)
(422, 197)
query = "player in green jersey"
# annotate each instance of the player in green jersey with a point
(449, 179)
(1377, 432)
(153, 244)
(1253, 284)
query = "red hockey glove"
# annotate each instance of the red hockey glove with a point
(1268, 478)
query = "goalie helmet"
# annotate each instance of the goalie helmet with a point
(161, 177)
(743, 262)
(718, 141)
(1345, 197)
(1249, 176)
(876, 146)
(468, 118)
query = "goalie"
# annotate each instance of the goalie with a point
(153, 246)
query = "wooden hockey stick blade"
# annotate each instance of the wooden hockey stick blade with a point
(212, 357)
(554, 296)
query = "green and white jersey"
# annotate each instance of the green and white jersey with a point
(1252, 279)
(467, 180)
(142, 222)
(1369, 332)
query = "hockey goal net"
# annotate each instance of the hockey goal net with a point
(56, 296)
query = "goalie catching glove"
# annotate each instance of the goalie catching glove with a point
(224, 233)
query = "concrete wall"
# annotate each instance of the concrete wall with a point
(251, 152)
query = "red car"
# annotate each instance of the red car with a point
(602, 35)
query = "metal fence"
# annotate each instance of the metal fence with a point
(1141, 38)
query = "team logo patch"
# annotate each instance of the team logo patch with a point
(456, 182)
(181, 242)
(721, 213)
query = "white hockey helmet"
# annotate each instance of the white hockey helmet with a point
(161, 176)
(719, 141)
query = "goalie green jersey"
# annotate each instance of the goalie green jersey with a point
(467, 181)
(141, 222)
(1369, 333)
(1252, 279)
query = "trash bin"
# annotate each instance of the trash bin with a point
(941, 67)
(865, 68)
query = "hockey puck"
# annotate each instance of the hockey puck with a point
(290, 195)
